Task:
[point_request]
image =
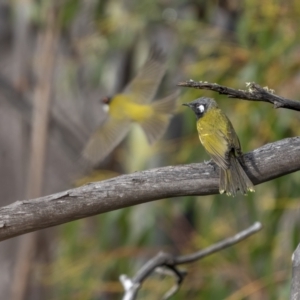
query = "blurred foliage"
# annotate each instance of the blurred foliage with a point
(228, 42)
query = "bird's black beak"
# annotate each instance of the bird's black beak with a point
(186, 104)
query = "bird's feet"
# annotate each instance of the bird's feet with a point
(211, 163)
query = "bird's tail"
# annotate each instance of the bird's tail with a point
(156, 125)
(235, 179)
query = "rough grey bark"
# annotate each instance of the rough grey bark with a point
(263, 164)
(295, 290)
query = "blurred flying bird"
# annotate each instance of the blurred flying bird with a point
(219, 139)
(134, 105)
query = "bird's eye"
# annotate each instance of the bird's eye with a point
(201, 108)
(106, 100)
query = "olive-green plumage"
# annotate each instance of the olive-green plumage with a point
(219, 139)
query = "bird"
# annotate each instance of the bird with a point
(134, 104)
(221, 142)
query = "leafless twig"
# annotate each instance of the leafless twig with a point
(254, 92)
(167, 260)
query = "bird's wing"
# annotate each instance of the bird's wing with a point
(145, 84)
(217, 147)
(157, 122)
(235, 143)
(105, 139)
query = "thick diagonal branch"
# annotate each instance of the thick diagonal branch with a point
(263, 164)
(254, 92)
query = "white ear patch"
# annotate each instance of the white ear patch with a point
(201, 108)
(106, 108)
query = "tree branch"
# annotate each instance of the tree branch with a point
(254, 93)
(295, 289)
(263, 164)
(132, 286)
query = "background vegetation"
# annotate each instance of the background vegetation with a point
(99, 46)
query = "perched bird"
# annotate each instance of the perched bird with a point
(134, 105)
(219, 139)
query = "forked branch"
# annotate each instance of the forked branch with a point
(170, 263)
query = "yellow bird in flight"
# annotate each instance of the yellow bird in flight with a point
(134, 105)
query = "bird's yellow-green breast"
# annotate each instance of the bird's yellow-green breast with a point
(213, 130)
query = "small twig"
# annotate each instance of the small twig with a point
(179, 275)
(167, 260)
(254, 92)
(295, 289)
(131, 288)
(219, 246)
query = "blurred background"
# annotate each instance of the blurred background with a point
(58, 58)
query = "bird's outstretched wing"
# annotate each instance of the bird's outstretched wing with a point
(105, 139)
(162, 110)
(144, 85)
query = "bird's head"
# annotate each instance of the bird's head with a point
(201, 105)
(106, 101)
